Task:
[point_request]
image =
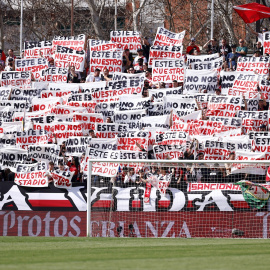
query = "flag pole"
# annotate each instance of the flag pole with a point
(212, 19)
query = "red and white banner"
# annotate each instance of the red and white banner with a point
(127, 39)
(165, 37)
(172, 152)
(65, 57)
(103, 45)
(106, 60)
(168, 70)
(53, 74)
(253, 120)
(260, 65)
(34, 65)
(62, 179)
(74, 42)
(164, 52)
(37, 49)
(16, 79)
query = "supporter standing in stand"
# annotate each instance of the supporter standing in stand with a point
(224, 49)
(2, 62)
(127, 60)
(242, 49)
(136, 63)
(258, 47)
(73, 76)
(192, 46)
(212, 46)
(106, 76)
(49, 171)
(10, 55)
(232, 58)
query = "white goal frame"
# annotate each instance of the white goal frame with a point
(158, 162)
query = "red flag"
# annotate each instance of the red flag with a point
(252, 12)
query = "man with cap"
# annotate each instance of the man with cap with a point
(192, 46)
(136, 62)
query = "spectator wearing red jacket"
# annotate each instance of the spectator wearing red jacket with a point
(192, 47)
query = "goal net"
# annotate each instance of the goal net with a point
(186, 198)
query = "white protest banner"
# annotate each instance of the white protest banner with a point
(266, 43)
(93, 153)
(129, 140)
(4, 93)
(191, 117)
(127, 85)
(31, 175)
(106, 60)
(7, 140)
(132, 155)
(72, 42)
(165, 37)
(158, 94)
(11, 156)
(255, 134)
(6, 114)
(207, 65)
(220, 150)
(246, 82)
(71, 87)
(172, 138)
(168, 70)
(230, 133)
(158, 122)
(67, 111)
(118, 76)
(208, 128)
(135, 103)
(11, 127)
(35, 65)
(80, 97)
(262, 145)
(16, 105)
(253, 102)
(54, 74)
(37, 49)
(45, 105)
(104, 169)
(16, 78)
(92, 87)
(260, 65)
(180, 106)
(173, 152)
(62, 93)
(76, 146)
(127, 39)
(89, 106)
(43, 152)
(103, 45)
(155, 109)
(252, 120)
(234, 122)
(265, 89)
(200, 81)
(65, 57)
(109, 130)
(164, 52)
(88, 120)
(107, 109)
(227, 78)
(224, 106)
(131, 118)
(103, 144)
(24, 94)
(62, 179)
(201, 58)
(248, 168)
(32, 137)
(64, 130)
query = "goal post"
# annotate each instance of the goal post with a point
(177, 198)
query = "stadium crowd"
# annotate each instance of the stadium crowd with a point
(193, 147)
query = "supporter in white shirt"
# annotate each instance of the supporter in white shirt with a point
(130, 177)
(94, 78)
(139, 56)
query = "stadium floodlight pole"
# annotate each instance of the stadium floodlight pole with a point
(212, 19)
(88, 219)
(21, 27)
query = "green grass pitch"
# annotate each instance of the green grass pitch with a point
(122, 253)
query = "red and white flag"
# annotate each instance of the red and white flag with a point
(252, 12)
